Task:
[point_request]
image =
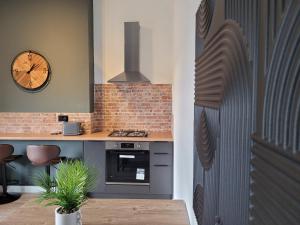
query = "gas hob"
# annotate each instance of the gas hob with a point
(128, 133)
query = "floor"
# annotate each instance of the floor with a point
(9, 209)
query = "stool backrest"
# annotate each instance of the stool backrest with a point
(42, 154)
(5, 151)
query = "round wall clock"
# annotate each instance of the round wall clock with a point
(30, 71)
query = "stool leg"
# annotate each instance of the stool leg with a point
(48, 169)
(4, 184)
(4, 196)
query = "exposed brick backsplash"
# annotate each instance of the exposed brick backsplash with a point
(40, 122)
(133, 106)
(117, 106)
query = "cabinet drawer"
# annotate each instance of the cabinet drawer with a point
(161, 179)
(158, 158)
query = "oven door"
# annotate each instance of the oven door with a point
(127, 167)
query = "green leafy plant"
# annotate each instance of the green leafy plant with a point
(69, 188)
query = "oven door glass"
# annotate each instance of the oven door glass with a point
(125, 166)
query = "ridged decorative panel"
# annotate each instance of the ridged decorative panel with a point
(198, 203)
(203, 19)
(204, 148)
(247, 84)
(223, 56)
(275, 179)
(275, 185)
(281, 115)
(245, 12)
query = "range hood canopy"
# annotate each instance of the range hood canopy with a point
(132, 72)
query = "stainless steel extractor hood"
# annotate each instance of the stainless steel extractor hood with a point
(131, 72)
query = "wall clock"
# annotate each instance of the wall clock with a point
(30, 71)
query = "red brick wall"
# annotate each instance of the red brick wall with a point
(40, 122)
(124, 106)
(133, 106)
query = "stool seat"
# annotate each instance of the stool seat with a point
(6, 156)
(44, 155)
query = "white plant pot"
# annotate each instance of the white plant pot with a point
(68, 219)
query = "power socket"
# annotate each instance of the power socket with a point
(63, 118)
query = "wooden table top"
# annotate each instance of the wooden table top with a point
(100, 212)
(98, 136)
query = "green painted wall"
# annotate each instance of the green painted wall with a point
(61, 30)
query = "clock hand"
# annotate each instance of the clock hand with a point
(34, 66)
(30, 69)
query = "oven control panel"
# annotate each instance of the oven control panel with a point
(119, 145)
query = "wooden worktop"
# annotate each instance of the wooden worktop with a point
(98, 136)
(26, 211)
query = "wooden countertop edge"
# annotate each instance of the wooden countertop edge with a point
(98, 136)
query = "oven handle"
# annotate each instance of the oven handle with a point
(161, 165)
(127, 156)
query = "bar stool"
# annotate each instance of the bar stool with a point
(6, 156)
(44, 155)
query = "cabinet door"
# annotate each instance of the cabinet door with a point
(161, 168)
(94, 156)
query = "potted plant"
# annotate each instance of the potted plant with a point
(67, 190)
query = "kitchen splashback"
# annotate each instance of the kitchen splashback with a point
(133, 106)
(117, 106)
(40, 122)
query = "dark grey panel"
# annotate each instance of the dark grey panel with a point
(211, 190)
(275, 187)
(209, 179)
(236, 127)
(282, 100)
(61, 30)
(275, 177)
(94, 156)
(246, 13)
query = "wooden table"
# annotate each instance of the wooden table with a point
(100, 212)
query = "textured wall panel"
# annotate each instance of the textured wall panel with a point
(198, 203)
(203, 19)
(208, 179)
(211, 193)
(275, 177)
(275, 186)
(274, 12)
(282, 99)
(203, 145)
(223, 81)
(246, 14)
(224, 55)
(235, 143)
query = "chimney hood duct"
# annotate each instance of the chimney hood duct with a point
(132, 72)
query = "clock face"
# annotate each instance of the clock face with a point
(30, 71)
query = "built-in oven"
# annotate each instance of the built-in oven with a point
(127, 163)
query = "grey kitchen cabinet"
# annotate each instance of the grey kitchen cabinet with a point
(161, 172)
(94, 156)
(161, 168)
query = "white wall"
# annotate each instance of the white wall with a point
(183, 100)
(156, 47)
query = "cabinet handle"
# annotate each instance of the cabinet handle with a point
(161, 153)
(161, 165)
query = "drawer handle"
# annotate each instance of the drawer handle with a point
(161, 153)
(161, 165)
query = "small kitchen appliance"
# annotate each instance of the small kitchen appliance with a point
(72, 128)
